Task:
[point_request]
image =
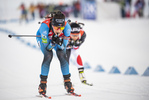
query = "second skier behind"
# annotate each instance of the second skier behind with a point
(77, 37)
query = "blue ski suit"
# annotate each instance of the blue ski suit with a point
(45, 43)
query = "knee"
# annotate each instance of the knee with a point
(48, 55)
(60, 53)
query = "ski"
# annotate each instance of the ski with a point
(74, 94)
(43, 95)
(90, 84)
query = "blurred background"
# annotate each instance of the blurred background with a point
(85, 9)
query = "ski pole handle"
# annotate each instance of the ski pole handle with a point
(10, 36)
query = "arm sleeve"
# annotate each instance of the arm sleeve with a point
(82, 38)
(66, 31)
(44, 30)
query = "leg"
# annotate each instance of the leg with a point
(46, 63)
(79, 64)
(68, 52)
(68, 84)
(65, 69)
(77, 58)
(42, 85)
(63, 61)
(45, 67)
(48, 55)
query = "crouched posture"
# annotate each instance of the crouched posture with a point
(55, 33)
(77, 37)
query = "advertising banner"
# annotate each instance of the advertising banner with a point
(88, 9)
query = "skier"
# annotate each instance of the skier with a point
(55, 33)
(77, 37)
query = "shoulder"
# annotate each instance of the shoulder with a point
(47, 22)
(82, 32)
(67, 29)
(67, 25)
(44, 29)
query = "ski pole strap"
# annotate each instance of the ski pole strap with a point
(66, 38)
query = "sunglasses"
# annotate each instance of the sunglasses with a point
(57, 28)
(75, 35)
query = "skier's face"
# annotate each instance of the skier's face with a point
(74, 36)
(58, 30)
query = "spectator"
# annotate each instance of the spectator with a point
(41, 9)
(139, 8)
(127, 8)
(122, 5)
(32, 10)
(49, 8)
(77, 7)
(67, 10)
(23, 12)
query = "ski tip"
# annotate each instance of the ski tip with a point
(42, 96)
(89, 84)
(79, 95)
(49, 98)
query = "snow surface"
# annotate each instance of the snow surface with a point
(109, 43)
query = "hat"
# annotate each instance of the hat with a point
(58, 19)
(75, 28)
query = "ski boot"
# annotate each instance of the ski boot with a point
(68, 84)
(81, 75)
(42, 86)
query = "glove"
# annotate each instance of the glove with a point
(57, 40)
(70, 44)
(50, 46)
(61, 47)
(77, 43)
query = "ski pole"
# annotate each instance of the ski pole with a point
(10, 36)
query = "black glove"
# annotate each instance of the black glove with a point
(57, 40)
(77, 43)
(71, 43)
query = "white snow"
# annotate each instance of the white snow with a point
(109, 43)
